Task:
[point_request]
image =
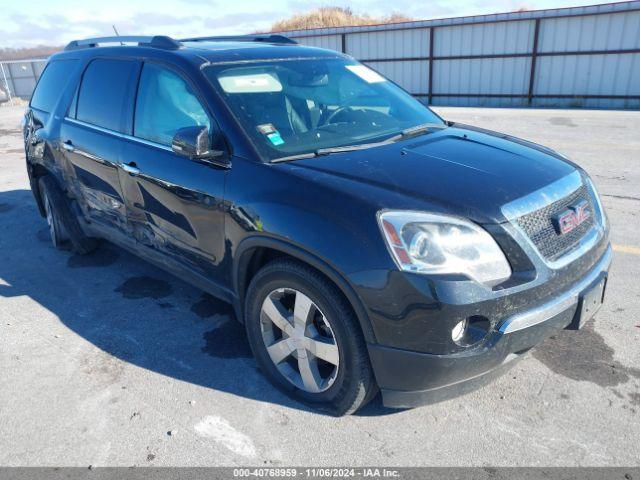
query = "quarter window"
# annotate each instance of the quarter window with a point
(165, 104)
(104, 98)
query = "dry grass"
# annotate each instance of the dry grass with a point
(333, 17)
(318, 18)
(40, 51)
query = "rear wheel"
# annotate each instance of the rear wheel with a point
(58, 235)
(64, 228)
(306, 338)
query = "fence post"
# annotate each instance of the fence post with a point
(431, 37)
(534, 57)
(6, 84)
(35, 75)
(343, 45)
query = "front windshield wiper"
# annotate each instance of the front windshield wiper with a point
(350, 148)
(328, 151)
(406, 133)
(417, 130)
(291, 158)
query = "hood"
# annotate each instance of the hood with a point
(460, 170)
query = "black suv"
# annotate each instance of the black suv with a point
(364, 242)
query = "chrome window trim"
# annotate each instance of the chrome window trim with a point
(119, 134)
(547, 195)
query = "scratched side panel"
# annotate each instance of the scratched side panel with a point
(175, 206)
(91, 171)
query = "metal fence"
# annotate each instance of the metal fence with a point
(569, 57)
(19, 77)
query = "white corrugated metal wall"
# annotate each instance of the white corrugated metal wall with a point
(19, 77)
(570, 57)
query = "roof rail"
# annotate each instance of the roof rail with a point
(267, 38)
(157, 41)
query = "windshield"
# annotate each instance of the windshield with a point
(299, 106)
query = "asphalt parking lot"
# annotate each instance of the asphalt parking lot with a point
(106, 360)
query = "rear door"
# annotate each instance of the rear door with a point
(174, 204)
(92, 134)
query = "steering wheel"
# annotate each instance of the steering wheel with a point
(370, 116)
(335, 113)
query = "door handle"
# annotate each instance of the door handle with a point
(131, 168)
(68, 146)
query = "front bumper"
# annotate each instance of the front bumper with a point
(410, 378)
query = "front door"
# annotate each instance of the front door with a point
(174, 204)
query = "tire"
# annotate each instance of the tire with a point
(319, 356)
(66, 232)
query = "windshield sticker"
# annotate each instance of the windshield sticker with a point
(275, 138)
(272, 134)
(266, 128)
(366, 73)
(253, 83)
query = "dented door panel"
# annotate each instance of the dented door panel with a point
(168, 209)
(93, 157)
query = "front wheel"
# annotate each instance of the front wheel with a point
(306, 338)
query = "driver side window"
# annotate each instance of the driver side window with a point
(165, 104)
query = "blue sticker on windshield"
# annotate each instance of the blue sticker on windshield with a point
(275, 138)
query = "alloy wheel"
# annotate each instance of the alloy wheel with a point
(299, 340)
(56, 230)
(51, 222)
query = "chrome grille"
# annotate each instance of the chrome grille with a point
(538, 225)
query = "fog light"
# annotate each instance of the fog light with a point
(471, 331)
(458, 331)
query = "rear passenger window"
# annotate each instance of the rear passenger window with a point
(52, 84)
(104, 93)
(165, 104)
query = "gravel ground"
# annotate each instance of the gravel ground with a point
(106, 360)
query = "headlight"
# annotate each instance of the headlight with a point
(429, 243)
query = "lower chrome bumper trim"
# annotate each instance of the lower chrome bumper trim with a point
(558, 305)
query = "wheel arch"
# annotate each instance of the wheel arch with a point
(254, 252)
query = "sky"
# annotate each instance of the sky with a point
(30, 23)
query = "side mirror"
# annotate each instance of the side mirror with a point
(194, 143)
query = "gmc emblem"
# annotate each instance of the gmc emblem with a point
(572, 217)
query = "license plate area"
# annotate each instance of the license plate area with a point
(589, 303)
